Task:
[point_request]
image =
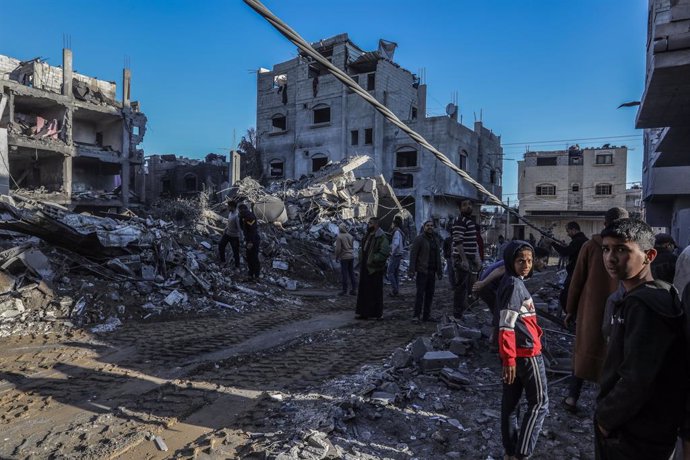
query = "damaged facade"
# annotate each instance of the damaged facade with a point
(665, 116)
(168, 176)
(306, 119)
(64, 137)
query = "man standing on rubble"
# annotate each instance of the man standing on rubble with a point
(571, 251)
(393, 273)
(252, 240)
(373, 253)
(465, 256)
(231, 235)
(425, 265)
(590, 286)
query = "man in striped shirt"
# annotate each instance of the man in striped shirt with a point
(465, 256)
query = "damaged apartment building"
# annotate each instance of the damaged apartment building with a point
(306, 118)
(170, 176)
(65, 138)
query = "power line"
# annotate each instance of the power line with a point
(347, 80)
(636, 136)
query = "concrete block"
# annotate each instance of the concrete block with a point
(447, 332)
(160, 443)
(459, 346)
(436, 360)
(454, 376)
(469, 333)
(148, 272)
(420, 347)
(383, 397)
(400, 358)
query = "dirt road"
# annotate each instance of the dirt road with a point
(82, 395)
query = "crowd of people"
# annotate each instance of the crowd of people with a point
(624, 294)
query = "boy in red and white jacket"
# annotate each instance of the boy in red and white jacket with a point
(519, 346)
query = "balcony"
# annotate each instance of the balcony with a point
(666, 99)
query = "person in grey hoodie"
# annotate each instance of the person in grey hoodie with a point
(232, 235)
(345, 254)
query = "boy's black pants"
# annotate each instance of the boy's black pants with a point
(530, 377)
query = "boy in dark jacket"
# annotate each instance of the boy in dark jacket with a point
(519, 345)
(644, 379)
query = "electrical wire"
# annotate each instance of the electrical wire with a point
(303, 45)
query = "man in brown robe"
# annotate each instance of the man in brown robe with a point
(590, 286)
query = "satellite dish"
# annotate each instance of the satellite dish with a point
(451, 109)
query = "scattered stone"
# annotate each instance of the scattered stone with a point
(400, 359)
(160, 444)
(453, 377)
(459, 346)
(437, 360)
(420, 347)
(383, 397)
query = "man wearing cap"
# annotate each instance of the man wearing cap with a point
(664, 266)
(425, 265)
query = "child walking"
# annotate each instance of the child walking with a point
(519, 347)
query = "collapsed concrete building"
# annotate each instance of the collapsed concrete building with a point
(169, 176)
(306, 119)
(65, 137)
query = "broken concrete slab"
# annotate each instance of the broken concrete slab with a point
(433, 361)
(420, 347)
(400, 359)
(459, 345)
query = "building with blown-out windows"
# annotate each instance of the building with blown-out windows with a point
(307, 118)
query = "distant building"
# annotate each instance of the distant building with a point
(633, 202)
(557, 187)
(169, 176)
(65, 138)
(664, 113)
(306, 118)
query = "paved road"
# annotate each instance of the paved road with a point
(86, 396)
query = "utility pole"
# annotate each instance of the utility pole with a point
(507, 216)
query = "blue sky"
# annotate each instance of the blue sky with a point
(539, 71)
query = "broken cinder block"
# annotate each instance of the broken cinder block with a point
(420, 347)
(436, 360)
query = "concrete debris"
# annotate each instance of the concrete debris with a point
(436, 360)
(160, 444)
(109, 326)
(163, 261)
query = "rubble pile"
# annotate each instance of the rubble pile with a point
(307, 212)
(439, 397)
(62, 269)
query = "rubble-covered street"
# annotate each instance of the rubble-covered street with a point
(293, 375)
(123, 336)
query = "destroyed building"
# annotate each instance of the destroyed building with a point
(665, 116)
(306, 118)
(65, 137)
(169, 176)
